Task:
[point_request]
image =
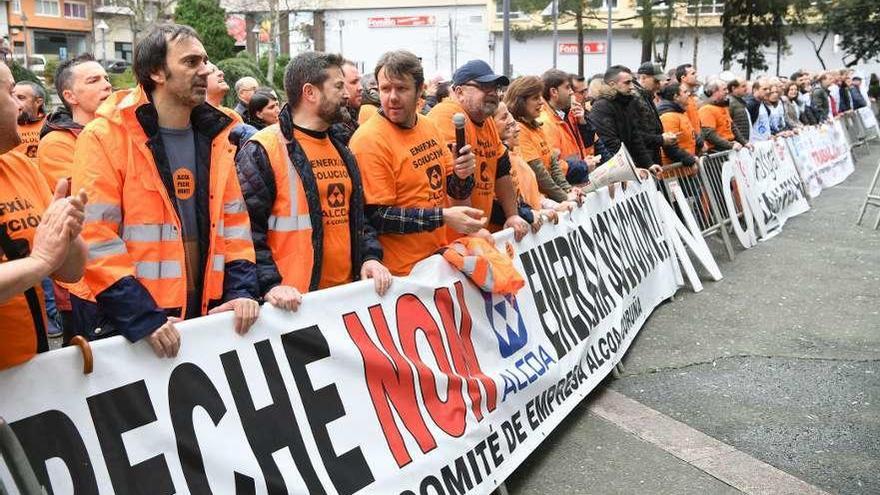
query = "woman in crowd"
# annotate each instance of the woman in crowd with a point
(791, 106)
(263, 109)
(524, 101)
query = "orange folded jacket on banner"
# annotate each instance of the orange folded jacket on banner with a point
(486, 266)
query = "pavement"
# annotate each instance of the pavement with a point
(768, 381)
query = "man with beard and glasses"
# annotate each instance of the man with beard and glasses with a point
(410, 176)
(166, 226)
(83, 85)
(32, 98)
(475, 89)
(560, 134)
(304, 193)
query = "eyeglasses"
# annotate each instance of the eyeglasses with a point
(485, 88)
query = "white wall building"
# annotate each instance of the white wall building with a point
(443, 36)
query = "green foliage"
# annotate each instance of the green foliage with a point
(124, 80)
(19, 73)
(281, 62)
(209, 20)
(748, 27)
(858, 24)
(49, 72)
(234, 69)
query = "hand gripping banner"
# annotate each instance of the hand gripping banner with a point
(436, 387)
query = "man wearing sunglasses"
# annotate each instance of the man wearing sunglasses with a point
(475, 94)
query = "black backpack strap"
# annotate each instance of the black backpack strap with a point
(14, 251)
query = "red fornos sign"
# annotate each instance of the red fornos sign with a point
(401, 21)
(590, 47)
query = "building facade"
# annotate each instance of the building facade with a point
(55, 29)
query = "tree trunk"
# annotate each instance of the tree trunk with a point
(697, 32)
(668, 32)
(749, 44)
(579, 23)
(273, 32)
(647, 32)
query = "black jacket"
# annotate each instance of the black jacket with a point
(60, 120)
(844, 98)
(259, 189)
(649, 125)
(673, 151)
(615, 117)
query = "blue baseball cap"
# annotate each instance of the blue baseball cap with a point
(479, 71)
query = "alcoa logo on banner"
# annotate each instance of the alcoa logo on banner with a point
(505, 310)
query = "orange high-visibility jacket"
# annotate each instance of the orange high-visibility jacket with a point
(560, 136)
(136, 264)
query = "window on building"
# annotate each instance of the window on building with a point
(16, 6)
(515, 11)
(75, 10)
(47, 7)
(706, 7)
(123, 51)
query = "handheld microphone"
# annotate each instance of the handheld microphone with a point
(458, 121)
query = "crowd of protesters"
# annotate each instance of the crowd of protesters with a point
(124, 212)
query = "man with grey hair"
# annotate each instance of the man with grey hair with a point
(715, 122)
(323, 241)
(31, 97)
(244, 89)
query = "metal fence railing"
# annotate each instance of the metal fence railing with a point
(17, 462)
(701, 186)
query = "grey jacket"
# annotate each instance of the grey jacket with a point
(740, 116)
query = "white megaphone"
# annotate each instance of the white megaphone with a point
(619, 168)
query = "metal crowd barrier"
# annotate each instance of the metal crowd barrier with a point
(854, 129)
(17, 462)
(872, 198)
(702, 190)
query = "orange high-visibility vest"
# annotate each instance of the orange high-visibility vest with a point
(131, 227)
(485, 265)
(290, 225)
(560, 136)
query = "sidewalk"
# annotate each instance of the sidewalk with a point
(780, 361)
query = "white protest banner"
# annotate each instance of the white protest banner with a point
(868, 118)
(434, 388)
(799, 147)
(775, 189)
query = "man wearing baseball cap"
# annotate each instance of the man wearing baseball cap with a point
(650, 77)
(475, 94)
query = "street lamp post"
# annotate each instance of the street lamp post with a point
(103, 28)
(256, 32)
(24, 33)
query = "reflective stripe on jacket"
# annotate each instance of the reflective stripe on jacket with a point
(285, 209)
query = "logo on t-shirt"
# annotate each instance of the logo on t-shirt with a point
(435, 177)
(184, 183)
(483, 176)
(336, 195)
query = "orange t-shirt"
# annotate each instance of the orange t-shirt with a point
(30, 138)
(55, 156)
(24, 195)
(717, 118)
(533, 145)
(526, 182)
(679, 124)
(334, 189)
(404, 168)
(487, 148)
(366, 112)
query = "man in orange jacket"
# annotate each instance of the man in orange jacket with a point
(561, 135)
(39, 238)
(82, 84)
(304, 191)
(167, 227)
(32, 98)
